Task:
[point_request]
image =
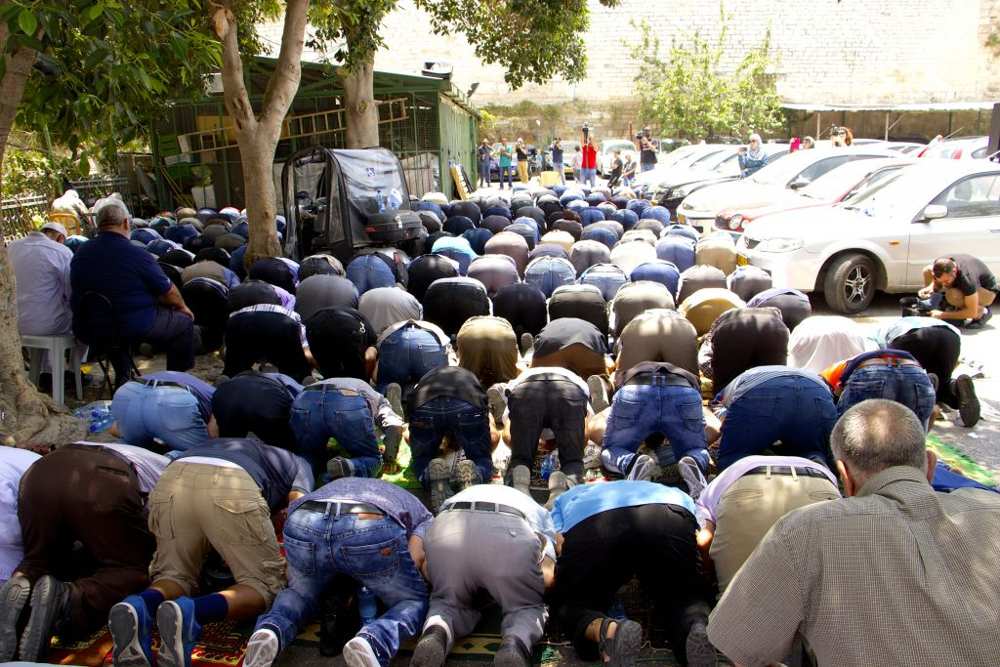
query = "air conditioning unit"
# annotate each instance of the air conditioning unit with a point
(213, 84)
(437, 69)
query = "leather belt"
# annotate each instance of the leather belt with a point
(787, 470)
(891, 361)
(485, 507)
(338, 508)
(670, 380)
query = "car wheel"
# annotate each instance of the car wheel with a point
(850, 282)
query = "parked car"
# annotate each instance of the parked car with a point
(883, 237)
(606, 154)
(833, 187)
(794, 172)
(681, 158)
(959, 148)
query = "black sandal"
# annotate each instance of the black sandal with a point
(623, 648)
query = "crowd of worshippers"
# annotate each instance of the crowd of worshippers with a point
(551, 341)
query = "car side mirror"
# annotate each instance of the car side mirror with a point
(933, 212)
(798, 182)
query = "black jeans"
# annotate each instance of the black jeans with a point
(85, 494)
(604, 552)
(936, 349)
(547, 400)
(265, 336)
(174, 332)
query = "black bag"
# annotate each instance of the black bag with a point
(393, 226)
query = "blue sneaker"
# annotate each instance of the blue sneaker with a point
(131, 630)
(178, 632)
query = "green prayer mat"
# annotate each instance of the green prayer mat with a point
(960, 462)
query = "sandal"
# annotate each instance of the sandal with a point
(623, 648)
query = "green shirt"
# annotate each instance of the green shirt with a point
(505, 154)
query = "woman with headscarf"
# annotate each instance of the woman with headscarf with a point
(751, 157)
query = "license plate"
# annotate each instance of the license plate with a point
(681, 218)
(742, 260)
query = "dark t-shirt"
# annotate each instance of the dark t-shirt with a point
(557, 155)
(647, 154)
(484, 153)
(565, 331)
(973, 274)
(448, 382)
(521, 155)
(125, 274)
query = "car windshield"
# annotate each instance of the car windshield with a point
(708, 160)
(611, 146)
(833, 184)
(886, 196)
(779, 172)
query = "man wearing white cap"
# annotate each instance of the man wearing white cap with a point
(41, 269)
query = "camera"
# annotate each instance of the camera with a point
(586, 131)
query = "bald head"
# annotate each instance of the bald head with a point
(878, 434)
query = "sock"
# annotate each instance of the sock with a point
(153, 598)
(210, 608)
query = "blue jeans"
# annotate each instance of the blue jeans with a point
(169, 413)
(558, 167)
(589, 176)
(324, 413)
(468, 426)
(795, 410)
(647, 166)
(373, 552)
(406, 355)
(484, 172)
(609, 279)
(908, 385)
(640, 410)
(507, 171)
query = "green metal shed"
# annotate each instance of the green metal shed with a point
(425, 121)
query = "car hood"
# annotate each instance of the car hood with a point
(811, 224)
(787, 200)
(729, 195)
(674, 176)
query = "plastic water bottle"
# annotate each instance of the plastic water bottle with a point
(549, 464)
(367, 605)
(98, 414)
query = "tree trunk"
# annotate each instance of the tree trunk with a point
(359, 100)
(257, 135)
(28, 418)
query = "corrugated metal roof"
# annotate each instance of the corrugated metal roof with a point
(928, 106)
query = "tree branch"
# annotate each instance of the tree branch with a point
(234, 90)
(284, 81)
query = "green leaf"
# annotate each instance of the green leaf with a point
(27, 22)
(92, 12)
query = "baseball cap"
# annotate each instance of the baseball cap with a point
(55, 227)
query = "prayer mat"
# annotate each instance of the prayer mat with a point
(959, 462)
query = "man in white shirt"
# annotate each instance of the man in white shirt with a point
(41, 269)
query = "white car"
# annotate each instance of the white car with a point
(883, 237)
(961, 148)
(793, 171)
(606, 156)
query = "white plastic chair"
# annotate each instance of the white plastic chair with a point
(56, 346)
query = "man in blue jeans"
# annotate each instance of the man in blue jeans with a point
(770, 403)
(657, 399)
(175, 408)
(892, 374)
(407, 351)
(370, 531)
(449, 405)
(347, 409)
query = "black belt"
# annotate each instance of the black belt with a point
(672, 380)
(485, 507)
(335, 508)
(788, 470)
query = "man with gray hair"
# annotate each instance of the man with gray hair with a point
(893, 574)
(144, 304)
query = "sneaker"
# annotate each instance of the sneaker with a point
(178, 632)
(512, 653)
(981, 322)
(527, 343)
(559, 483)
(692, 475)
(131, 631)
(698, 649)
(644, 469)
(359, 653)
(338, 467)
(394, 394)
(968, 402)
(935, 382)
(14, 596)
(520, 479)
(262, 648)
(432, 649)
(598, 393)
(49, 605)
(497, 399)
(439, 476)
(624, 647)
(466, 475)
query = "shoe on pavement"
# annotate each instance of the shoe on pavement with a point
(178, 632)
(432, 649)
(338, 467)
(624, 647)
(520, 479)
(692, 475)
(131, 627)
(559, 483)
(512, 653)
(497, 400)
(698, 649)
(262, 649)
(14, 596)
(49, 606)
(359, 653)
(394, 394)
(466, 475)
(598, 393)
(981, 321)
(527, 343)
(968, 402)
(439, 476)
(644, 469)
